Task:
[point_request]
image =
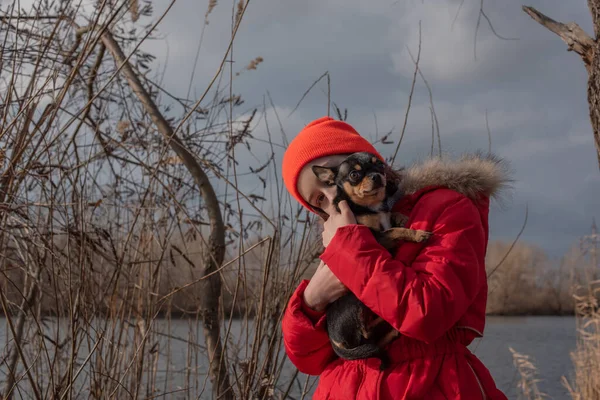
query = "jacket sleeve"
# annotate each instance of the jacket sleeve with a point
(426, 298)
(304, 335)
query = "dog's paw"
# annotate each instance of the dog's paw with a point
(422, 236)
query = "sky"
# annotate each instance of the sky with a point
(531, 89)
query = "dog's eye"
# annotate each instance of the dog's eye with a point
(354, 175)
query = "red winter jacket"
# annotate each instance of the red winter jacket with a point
(434, 294)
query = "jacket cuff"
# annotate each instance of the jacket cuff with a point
(298, 306)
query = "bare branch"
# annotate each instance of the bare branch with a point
(572, 34)
(512, 245)
(216, 251)
(484, 15)
(588, 48)
(412, 89)
(326, 73)
(435, 123)
(489, 132)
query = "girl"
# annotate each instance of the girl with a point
(433, 293)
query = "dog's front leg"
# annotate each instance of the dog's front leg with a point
(399, 220)
(392, 236)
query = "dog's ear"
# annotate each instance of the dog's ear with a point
(325, 174)
(394, 175)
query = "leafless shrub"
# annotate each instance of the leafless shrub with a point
(104, 234)
(530, 282)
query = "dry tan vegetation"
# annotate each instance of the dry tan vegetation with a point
(584, 383)
(107, 232)
(110, 223)
(528, 382)
(528, 282)
(579, 269)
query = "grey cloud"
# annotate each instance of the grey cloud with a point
(534, 91)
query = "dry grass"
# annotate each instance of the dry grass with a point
(576, 275)
(528, 282)
(528, 382)
(585, 382)
(103, 232)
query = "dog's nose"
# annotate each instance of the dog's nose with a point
(376, 178)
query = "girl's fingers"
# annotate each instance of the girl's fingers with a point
(344, 207)
(331, 210)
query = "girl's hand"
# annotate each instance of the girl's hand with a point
(323, 288)
(337, 220)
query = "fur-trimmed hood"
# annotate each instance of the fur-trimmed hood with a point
(471, 175)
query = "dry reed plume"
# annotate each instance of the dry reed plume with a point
(528, 380)
(585, 382)
(585, 291)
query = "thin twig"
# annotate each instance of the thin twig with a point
(326, 73)
(513, 243)
(480, 14)
(412, 89)
(489, 132)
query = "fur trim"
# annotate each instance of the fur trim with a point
(471, 175)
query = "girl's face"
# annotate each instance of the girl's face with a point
(315, 192)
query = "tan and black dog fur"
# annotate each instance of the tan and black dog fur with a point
(370, 190)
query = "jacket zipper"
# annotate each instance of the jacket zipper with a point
(483, 396)
(472, 329)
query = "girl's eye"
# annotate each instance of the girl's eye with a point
(354, 175)
(320, 199)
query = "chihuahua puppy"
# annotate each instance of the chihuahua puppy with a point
(370, 189)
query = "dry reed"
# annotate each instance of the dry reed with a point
(581, 268)
(528, 382)
(104, 235)
(585, 381)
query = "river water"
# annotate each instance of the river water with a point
(547, 340)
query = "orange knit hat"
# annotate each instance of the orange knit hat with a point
(322, 137)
